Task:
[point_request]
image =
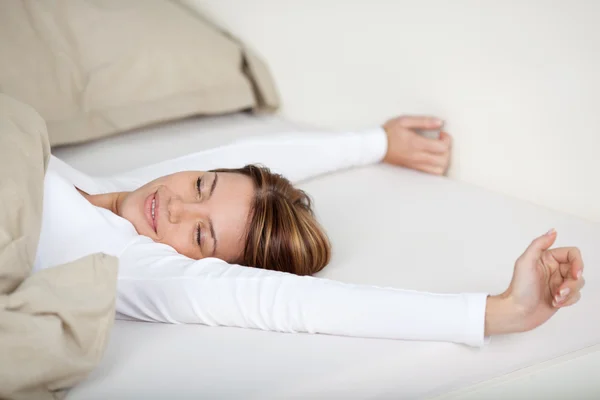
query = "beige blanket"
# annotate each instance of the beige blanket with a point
(54, 324)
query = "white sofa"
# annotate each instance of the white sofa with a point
(424, 233)
(517, 82)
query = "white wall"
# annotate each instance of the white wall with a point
(517, 81)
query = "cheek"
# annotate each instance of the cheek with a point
(128, 207)
(132, 208)
(180, 237)
(234, 237)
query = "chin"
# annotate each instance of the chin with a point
(138, 223)
(136, 226)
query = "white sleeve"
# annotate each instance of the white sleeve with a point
(297, 156)
(158, 284)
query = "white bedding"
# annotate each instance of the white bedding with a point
(426, 233)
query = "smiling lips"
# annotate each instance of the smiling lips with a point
(151, 207)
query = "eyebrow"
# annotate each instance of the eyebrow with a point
(214, 184)
(210, 223)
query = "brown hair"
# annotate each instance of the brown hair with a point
(283, 233)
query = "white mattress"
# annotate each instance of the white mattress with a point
(390, 227)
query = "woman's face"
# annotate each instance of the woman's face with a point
(199, 214)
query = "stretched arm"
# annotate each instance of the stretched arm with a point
(296, 155)
(157, 284)
(302, 155)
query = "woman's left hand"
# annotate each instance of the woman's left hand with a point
(544, 281)
(407, 148)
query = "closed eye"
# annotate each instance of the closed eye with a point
(199, 185)
(199, 236)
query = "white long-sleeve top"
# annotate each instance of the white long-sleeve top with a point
(157, 284)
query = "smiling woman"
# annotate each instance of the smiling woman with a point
(247, 216)
(185, 240)
(199, 214)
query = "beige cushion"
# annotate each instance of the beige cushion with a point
(96, 68)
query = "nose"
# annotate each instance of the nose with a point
(180, 210)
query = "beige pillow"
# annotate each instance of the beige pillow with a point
(94, 68)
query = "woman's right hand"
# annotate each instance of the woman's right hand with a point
(408, 149)
(544, 280)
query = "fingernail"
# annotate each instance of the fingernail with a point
(558, 298)
(579, 274)
(438, 121)
(564, 292)
(551, 231)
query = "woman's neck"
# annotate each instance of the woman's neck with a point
(110, 201)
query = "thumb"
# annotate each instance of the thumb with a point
(541, 244)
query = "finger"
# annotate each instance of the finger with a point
(558, 284)
(555, 283)
(570, 301)
(541, 244)
(420, 122)
(557, 275)
(430, 169)
(550, 262)
(567, 290)
(446, 138)
(571, 258)
(434, 160)
(566, 271)
(435, 146)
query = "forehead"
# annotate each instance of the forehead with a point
(230, 209)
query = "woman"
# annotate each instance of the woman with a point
(179, 233)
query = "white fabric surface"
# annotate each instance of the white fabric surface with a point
(72, 227)
(403, 229)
